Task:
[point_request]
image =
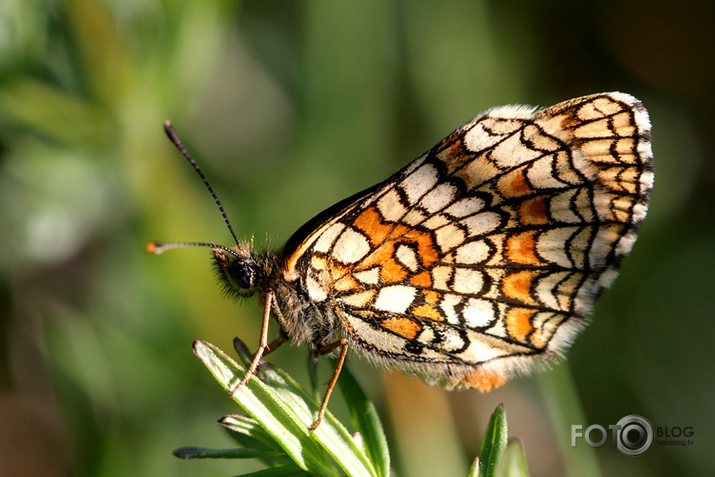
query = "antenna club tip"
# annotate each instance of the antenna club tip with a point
(152, 248)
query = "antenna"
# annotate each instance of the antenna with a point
(155, 248)
(174, 138)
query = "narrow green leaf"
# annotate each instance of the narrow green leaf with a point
(285, 471)
(235, 453)
(513, 461)
(366, 421)
(285, 412)
(279, 421)
(474, 469)
(331, 434)
(246, 432)
(494, 443)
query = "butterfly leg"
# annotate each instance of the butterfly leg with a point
(342, 343)
(282, 336)
(263, 345)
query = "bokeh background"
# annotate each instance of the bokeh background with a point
(289, 107)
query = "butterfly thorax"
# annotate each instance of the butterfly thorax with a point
(244, 272)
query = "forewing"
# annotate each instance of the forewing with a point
(488, 250)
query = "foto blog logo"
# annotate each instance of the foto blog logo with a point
(632, 435)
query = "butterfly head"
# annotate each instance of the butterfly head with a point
(237, 269)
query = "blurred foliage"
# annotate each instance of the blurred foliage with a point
(289, 107)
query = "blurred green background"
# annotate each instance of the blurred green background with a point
(289, 107)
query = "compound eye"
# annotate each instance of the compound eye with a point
(243, 276)
(238, 273)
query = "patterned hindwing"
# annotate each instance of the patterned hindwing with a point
(489, 250)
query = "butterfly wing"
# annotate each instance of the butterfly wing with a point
(481, 258)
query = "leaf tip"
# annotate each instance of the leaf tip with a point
(185, 452)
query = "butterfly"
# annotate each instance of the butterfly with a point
(477, 262)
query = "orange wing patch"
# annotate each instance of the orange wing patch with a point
(521, 248)
(392, 272)
(432, 297)
(422, 279)
(428, 312)
(346, 283)
(479, 380)
(386, 236)
(402, 326)
(518, 323)
(515, 185)
(518, 286)
(370, 222)
(534, 211)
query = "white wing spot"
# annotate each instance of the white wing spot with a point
(482, 223)
(315, 290)
(447, 304)
(467, 280)
(350, 247)
(395, 299)
(436, 221)
(478, 313)
(438, 198)
(464, 207)
(326, 239)
(414, 217)
(368, 277)
(419, 182)
(358, 300)
(473, 252)
(449, 237)
(451, 340)
(440, 277)
(390, 206)
(407, 257)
